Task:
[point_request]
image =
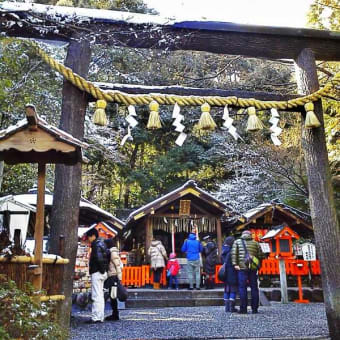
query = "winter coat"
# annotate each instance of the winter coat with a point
(192, 247)
(210, 253)
(115, 268)
(232, 276)
(157, 253)
(174, 267)
(98, 258)
(238, 252)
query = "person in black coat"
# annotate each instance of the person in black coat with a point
(98, 266)
(231, 283)
(210, 254)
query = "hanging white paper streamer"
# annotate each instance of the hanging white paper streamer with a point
(181, 138)
(275, 130)
(179, 127)
(127, 137)
(132, 123)
(228, 123)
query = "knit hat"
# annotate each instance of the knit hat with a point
(246, 233)
(172, 255)
(229, 240)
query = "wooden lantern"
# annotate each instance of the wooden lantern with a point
(281, 241)
(32, 140)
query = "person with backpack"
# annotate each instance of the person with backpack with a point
(173, 268)
(231, 280)
(98, 266)
(114, 275)
(210, 254)
(193, 248)
(246, 259)
(158, 256)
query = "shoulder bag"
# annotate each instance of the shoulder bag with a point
(251, 262)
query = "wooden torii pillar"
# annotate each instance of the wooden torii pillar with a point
(321, 197)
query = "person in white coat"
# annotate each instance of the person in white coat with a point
(114, 275)
(158, 256)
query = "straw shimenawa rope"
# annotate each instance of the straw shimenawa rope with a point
(165, 99)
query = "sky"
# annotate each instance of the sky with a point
(288, 13)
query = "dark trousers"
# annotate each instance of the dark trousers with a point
(173, 278)
(157, 275)
(114, 306)
(246, 277)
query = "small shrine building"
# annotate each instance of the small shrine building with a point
(268, 215)
(172, 217)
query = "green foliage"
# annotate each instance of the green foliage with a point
(22, 317)
(325, 14)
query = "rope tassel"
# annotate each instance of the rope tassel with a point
(99, 117)
(254, 123)
(206, 122)
(311, 120)
(154, 121)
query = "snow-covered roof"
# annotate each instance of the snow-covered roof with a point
(271, 233)
(278, 230)
(254, 213)
(82, 230)
(11, 203)
(171, 196)
(60, 134)
(31, 199)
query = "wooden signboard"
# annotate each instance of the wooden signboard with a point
(184, 207)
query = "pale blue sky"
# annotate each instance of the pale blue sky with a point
(291, 13)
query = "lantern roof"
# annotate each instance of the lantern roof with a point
(33, 140)
(280, 231)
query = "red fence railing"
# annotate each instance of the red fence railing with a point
(139, 276)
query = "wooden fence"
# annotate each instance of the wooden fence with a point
(17, 269)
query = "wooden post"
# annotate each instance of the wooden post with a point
(321, 198)
(39, 227)
(65, 211)
(62, 245)
(283, 281)
(219, 236)
(148, 235)
(173, 239)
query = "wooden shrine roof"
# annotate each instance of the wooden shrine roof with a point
(89, 213)
(33, 140)
(202, 203)
(61, 23)
(279, 211)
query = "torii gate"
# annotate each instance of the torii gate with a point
(304, 46)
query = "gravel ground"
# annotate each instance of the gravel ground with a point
(279, 321)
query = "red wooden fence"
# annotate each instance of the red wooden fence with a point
(141, 275)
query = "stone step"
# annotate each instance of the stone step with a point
(172, 293)
(149, 303)
(146, 298)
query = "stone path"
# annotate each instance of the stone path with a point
(278, 321)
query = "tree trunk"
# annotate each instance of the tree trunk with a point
(65, 211)
(321, 199)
